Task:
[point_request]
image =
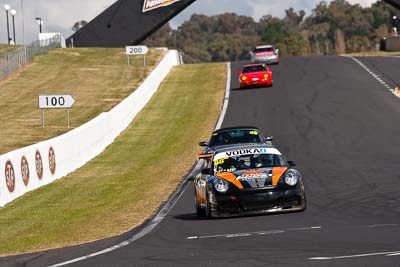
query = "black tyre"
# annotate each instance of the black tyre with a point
(199, 211)
(208, 207)
(304, 199)
(305, 203)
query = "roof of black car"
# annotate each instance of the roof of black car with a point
(235, 128)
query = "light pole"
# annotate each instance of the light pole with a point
(13, 12)
(7, 8)
(40, 23)
(23, 23)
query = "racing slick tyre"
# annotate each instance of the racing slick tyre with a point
(305, 203)
(208, 212)
(199, 211)
(304, 199)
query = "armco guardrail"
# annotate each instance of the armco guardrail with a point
(34, 166)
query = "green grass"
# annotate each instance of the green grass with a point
(98, 78)
(373, 54)
(126, 184)
(4, 49)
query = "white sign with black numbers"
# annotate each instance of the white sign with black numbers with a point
(137, 50)
(56, 101)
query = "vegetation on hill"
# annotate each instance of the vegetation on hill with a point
(332, 28)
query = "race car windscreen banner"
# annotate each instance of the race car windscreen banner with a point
(127, 22)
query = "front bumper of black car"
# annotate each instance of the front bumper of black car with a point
(257, 201)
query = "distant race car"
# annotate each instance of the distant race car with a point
(265, 54)
(250, 179)
(234, 136)
(255, 75)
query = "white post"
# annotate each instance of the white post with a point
(42, 118)
(68, 117)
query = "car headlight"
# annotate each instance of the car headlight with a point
(221, 185)
(244, 78)
(291, 178)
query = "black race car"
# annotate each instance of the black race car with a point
(249, 179)
(234, 136)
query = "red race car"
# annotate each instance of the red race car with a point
(255, 75)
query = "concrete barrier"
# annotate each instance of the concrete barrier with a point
(29, 168)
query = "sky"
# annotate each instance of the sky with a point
(60, 15)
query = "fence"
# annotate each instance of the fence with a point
(14, 60)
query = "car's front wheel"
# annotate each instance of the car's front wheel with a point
(199, 211)
(208, 206)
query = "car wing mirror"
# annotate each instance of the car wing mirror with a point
(206, 171)
(239, 73)
(291, 163)
(203, 143)
(269, 138)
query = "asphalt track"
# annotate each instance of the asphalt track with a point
(343, 130)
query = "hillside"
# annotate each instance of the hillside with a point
(97, 78)
(128, 182)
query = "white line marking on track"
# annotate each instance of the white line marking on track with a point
(272, 232)
(376, 77)
(155, 222)
(382, 225)
(393, 254)
(226, 99)
(320, 258)
(159, 217)
(169, 205)
(390, 253)
(268, 232)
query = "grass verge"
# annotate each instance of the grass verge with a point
(372, 54)
(98, 78)
(125, 185)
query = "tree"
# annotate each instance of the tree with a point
(332, 28)
(161, 38)
(78, 25)
(271, 29)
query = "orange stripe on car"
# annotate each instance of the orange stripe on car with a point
(204, 156)
(277, 173)
(230, 177)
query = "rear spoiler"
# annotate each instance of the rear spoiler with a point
(204, 156)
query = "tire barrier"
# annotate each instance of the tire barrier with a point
(31, 167)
